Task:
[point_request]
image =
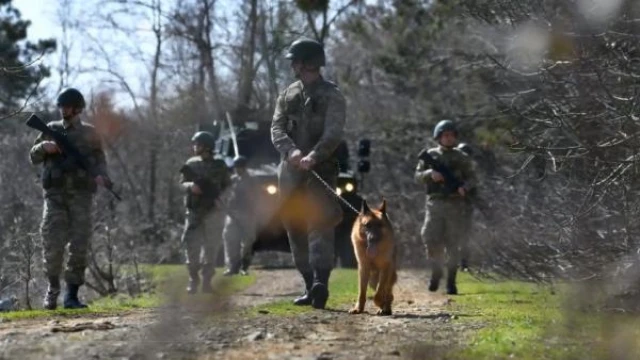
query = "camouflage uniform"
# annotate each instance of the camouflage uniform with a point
(240, 223)
(68, 198)
(203, 221)
(446, 218)
(310, 118)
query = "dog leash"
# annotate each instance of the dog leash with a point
(333, 191)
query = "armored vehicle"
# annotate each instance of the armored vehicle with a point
(253, 141)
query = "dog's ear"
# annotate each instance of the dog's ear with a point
(383, 207)
(364, 209)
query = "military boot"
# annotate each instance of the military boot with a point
(436, 275)
(452, 289)
(230, 272)
(244, 265)
(305, 299)
(71, 300)
(320, 289)
(194, 280)
(207, 274)
(51, 297)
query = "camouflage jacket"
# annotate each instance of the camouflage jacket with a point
(243, 197)
(60, 174)
(309, 118)
(210, 174)
(457, 161)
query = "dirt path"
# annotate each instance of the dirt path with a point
(420, 328)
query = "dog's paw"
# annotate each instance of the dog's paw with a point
(384, 312)
(355, 311)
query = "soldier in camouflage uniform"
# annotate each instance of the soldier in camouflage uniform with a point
(203, 178)
(306, 129)
(68, 198)
(240, 223)
(445, 219)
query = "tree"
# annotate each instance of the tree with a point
(19, 73)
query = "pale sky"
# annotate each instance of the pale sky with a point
(45, 24)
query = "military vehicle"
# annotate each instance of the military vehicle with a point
(253, 141)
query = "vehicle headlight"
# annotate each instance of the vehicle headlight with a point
(272, 189)
(338, 191)
(349, 187)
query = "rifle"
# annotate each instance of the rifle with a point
(451, 183)
(210, 192)
(69, 151)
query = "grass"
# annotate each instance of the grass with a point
(342, 287)
(526, 321)
(165, 280)
(517, 320)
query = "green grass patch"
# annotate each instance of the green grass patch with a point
(343, 285)
(526, 321)
(163, 281)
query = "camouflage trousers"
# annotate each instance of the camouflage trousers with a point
(310, 214)
(202, 238)
(444, 229)
(66, 220)
(239, 234)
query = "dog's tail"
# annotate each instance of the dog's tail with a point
(374, 277)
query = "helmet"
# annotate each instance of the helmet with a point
(204, 138)
(308, 51)
(71, 97)
(240, 161)
(465, 148)
(442, 126)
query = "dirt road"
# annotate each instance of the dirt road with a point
(420, 328)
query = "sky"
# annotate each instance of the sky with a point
(46, 24)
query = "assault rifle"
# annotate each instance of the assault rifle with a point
(451, 183)
(210, 191)
(69, 151)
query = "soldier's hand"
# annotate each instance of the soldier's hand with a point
(295, 156)
(50, 147)
(306, 163)
(436, 176)
(462, 191)
(196, 189)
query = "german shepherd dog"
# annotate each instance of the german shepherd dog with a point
(375, 248)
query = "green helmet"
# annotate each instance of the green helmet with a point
(71, 97)
(204, 138)
(309, 51)
(465, 148)
(442, 126)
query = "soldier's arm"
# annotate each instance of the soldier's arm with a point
(333, 128)
(279, 137)
(422, 174)
(185, 181)
(37, 154)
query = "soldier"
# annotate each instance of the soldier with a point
(68, 198)
(306, 129)
(203, 178)
(444, 225)
(239, 232)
